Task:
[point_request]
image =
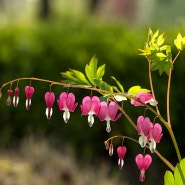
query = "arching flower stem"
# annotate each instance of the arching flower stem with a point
(171, 167)
(106, 92)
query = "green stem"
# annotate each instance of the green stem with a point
(151, 85)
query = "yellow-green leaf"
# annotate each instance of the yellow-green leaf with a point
(136, 89)
(179, 41)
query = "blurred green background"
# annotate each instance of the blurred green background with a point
(41, 38)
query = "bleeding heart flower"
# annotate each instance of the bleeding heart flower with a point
(143, 128)
(108, 113)
(145, 98)
(90, 107)
(143, 163)
(66, 103)
(155, 136)
(121, 151)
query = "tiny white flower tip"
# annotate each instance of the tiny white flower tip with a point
(66, 116)
(49, 112)
(108, 129)
(153, 102)
(142, 140)
(152, 146)
(120, 98)
(90, 120)
(15, 101)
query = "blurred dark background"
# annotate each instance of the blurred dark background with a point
(41, 38)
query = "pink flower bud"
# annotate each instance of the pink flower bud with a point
(8, 101)
(121, 151)
(111, 149)
(49, 99)
(29, 91)
(16, 97)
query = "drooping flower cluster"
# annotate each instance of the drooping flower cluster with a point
(121, 151)
(142, 161)
(104, 111)
(148, 132)
(91, 106)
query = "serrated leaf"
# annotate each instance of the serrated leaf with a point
(136, 89)
(91, 69)
(103, 85)
(168, 178)
(162, 65)
(100, 72)
(118, 84)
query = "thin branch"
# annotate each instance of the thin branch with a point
(151, 85)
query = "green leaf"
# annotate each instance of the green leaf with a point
(168, 178)
(162, 65)
(136, 89)
(179, 41)
(75, 77)
(160, 55)
(118, 84)
(103, 85)
(160, 40)
(179, 173)
(100, 72)
(91, 69)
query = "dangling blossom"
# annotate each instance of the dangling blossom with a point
(29, 91)
(121, 151)
(155, 136)
(16, 97)
(90, 107)
(8, 101)
(143, 163)
(49, 99)
(111, 149)
(108, 113)
(66, 103)
(145, 98)
(143, 128)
